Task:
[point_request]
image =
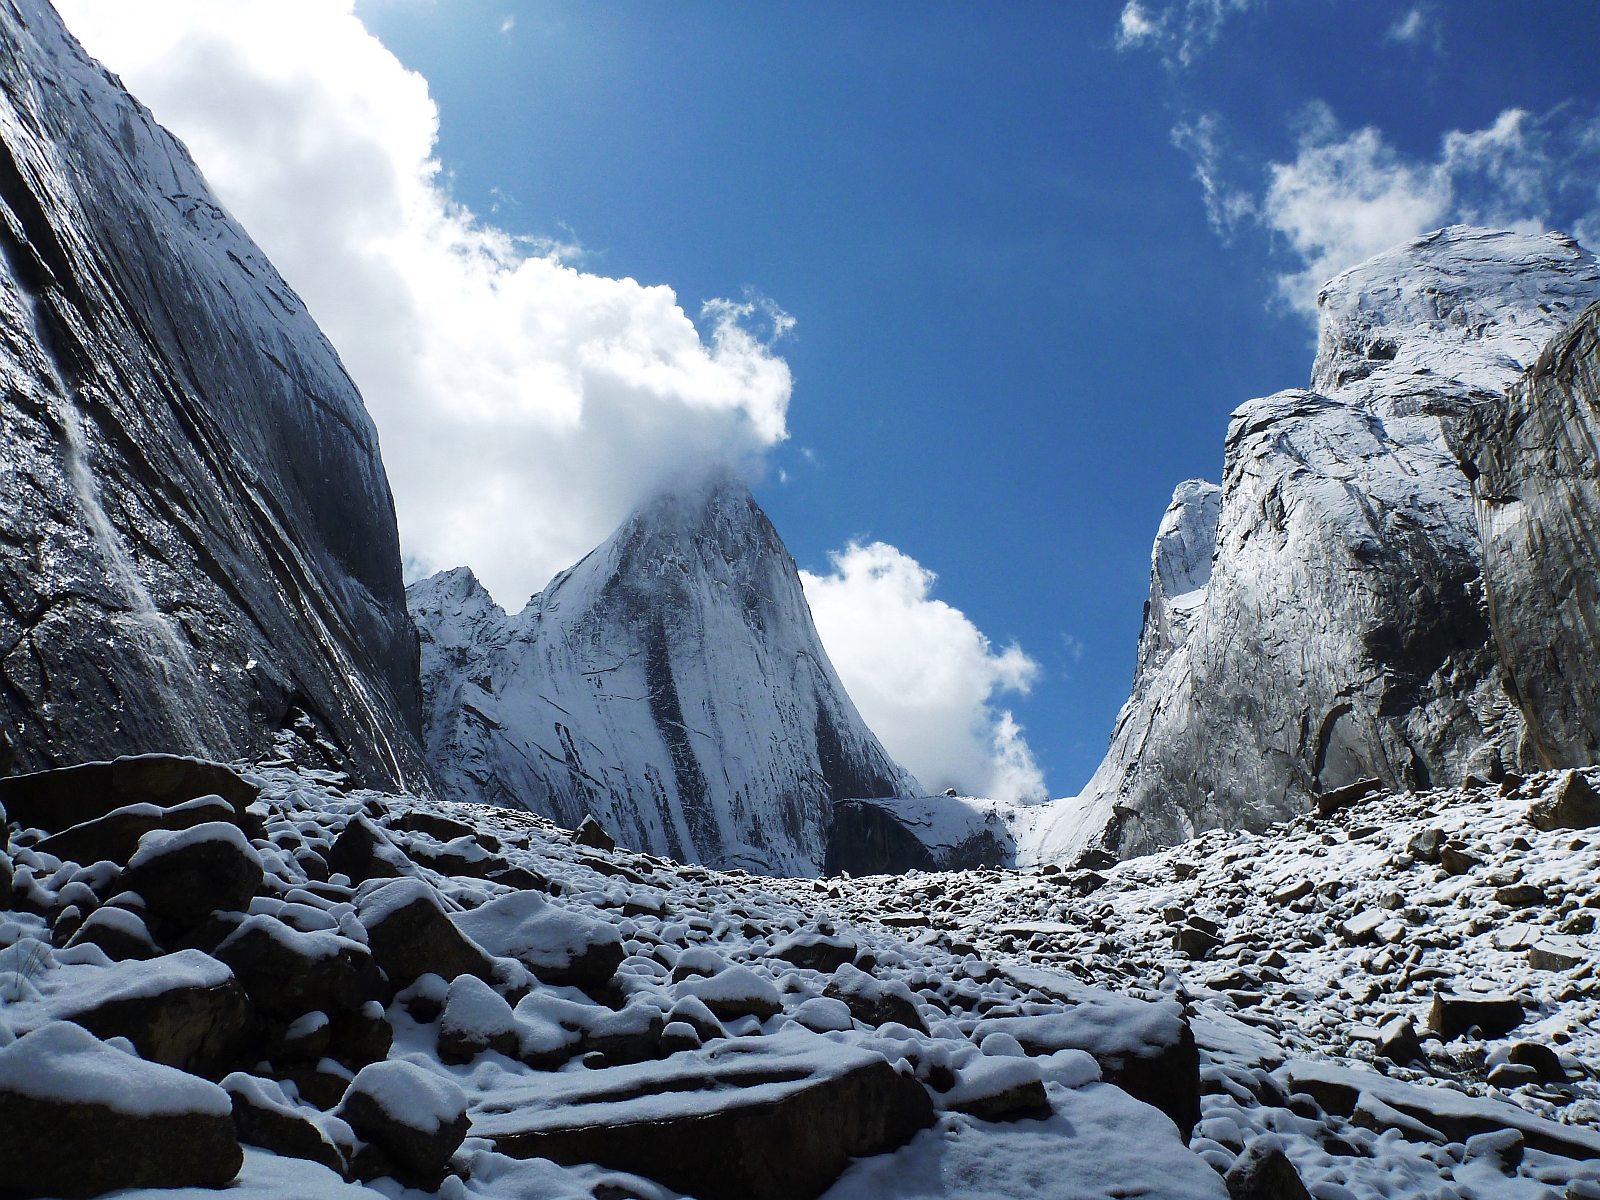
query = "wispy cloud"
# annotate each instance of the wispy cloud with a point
(1349, 194)
(1418, 26)
(1178, 30)
(507, 25)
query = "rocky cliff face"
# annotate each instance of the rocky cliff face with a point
(672, 684)
(197, 542)
(1342, 632)
(1533, 457)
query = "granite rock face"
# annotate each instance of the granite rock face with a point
(672, 684)
(198, 550)
(1341, 632)
(1532, 456)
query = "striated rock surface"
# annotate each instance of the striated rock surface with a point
(1532, 454)
(672, 684)
(198, 549)
(1341, 632)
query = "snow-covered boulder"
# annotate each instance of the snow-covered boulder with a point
(410, 935)
(82, 1118)
(411, 1119)
(672, 684)
(557, 944)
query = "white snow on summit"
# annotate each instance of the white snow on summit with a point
(672, 684)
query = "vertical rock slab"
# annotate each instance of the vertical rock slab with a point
(197, 541)
(1342, 632)
(1534, 458)
(672, 684)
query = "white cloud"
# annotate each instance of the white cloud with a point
(923, 675)
(1348, 196)
(1227, 206)
(1179, 30)
(1417, 26)
(524, 406)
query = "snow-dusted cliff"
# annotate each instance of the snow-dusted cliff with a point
(198, 546)
(672, 684)
(1342, 632)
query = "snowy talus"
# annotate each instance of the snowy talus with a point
(1532, 455)
(1342, 632)
(672, 684)
(197, 547)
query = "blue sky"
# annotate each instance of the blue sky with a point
(1016, 328)
(1033, 255)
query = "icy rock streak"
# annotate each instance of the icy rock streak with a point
(1342, 632)
(198, 547)
(671, 684)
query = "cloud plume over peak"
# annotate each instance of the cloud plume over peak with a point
(525, 405)
(922, 674)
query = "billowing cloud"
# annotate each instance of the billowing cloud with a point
(923, 675)
(525, 406)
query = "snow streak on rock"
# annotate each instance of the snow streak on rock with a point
(198, 547)
(1342, 633)
(672, 684)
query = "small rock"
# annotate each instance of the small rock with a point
(1512, 1075)
(678, 1036)
(592, 833)
(1503, 1147)
(1329, 803)
(1425, 846)
(737, 992)
(360, 1037)
(1570, 804)
(873, 1001)
(476, 1018)
(186, 875)
(321, 1083)
(416, 1118)
(1520, 895)
(1547, 955)
(265, 1117)
(1264, 1172)
(1541, 1058)
(1293, 892)
(1195, 943)
(286, 972)
(1397, 1041)
(435, 825)
(363, 852)
(120, 932)
(998, 1089)
(82, 1118)
(816, 952)
(1457, 862)
(1452, 1015)
(692, 1011)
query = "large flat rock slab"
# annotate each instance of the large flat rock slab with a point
(753, 1119)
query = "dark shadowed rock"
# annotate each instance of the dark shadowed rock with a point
(363, 851)
(1541, 1058)
(410, 935)
(59, 799)
(1264, 1172)
(591, 833)
(816, 951)
(81, 1118)
(874, 1001)
(360, 1037)
(785, 1119)
(263, 1116)
(416, 1117)
(184, 1010)
(184, 876)
(1452, 1015)
(115, 836)
(286, 972)
(120, 932)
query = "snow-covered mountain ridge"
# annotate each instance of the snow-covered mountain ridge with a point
(1342, 632)
(671, 684)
